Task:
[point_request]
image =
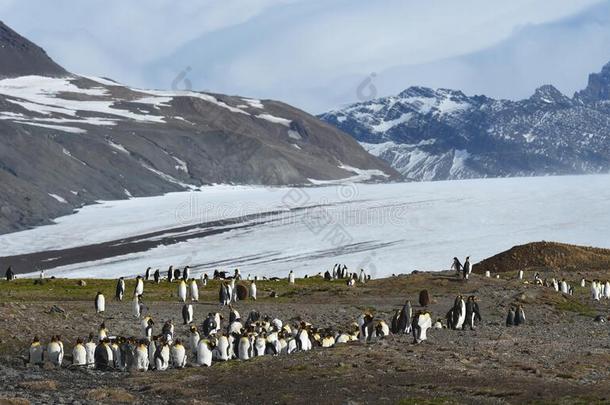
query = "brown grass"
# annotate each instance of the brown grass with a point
(544, 256)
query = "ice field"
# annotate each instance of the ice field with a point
(384, 228)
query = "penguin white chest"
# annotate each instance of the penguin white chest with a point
(204, 354)
(194, 291)
(222, 349)
(182, 291)
(100, 303)
(462, 316)
(259, 346)
(139, 287)
(135, 306)
(178, 356)
(162, 359)
(244, 349)
(194, 341)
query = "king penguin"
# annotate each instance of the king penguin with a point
(79, 354)
(182, 291)
(36, 352)
(421, 323)
(519, 315)
(162, 356)
(139, 289)
(90, 351)
(120, 289)
(100, 303)
(148, 329)
(221, 351)
(194, 291)
(55, 352)
(404, 320)
(102, 333)
(117, 358)
(243, 348)
(103, 356)
(136, 306)
(204, 353)
(178, 354)
(253, 290)
(291, 277)
(193, 339)
(510, 317)
(187, 313)
(224, 294)
(260, 344)
(457, 314)
(141, 356)
(472, 313)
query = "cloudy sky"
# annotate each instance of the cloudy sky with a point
(316, 54)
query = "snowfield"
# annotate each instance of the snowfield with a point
(384, 228)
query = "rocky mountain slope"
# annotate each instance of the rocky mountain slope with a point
(442, 134)
(68, 140)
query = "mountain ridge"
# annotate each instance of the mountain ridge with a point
(68, 140)
(440, 134)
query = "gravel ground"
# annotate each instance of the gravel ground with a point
(560, 356)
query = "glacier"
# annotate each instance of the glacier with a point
(384, 228)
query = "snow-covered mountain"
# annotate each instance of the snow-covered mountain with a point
(68, 140)
(429, 134)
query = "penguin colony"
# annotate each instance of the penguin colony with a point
(217, 340)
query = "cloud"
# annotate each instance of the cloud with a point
(312, 53)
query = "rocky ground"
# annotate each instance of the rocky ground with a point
(560, 356)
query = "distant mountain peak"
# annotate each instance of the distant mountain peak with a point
(548, 94)
(598, 87)
(21, 57)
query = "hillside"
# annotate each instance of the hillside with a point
(19, 57)
(546, 256)
(439, 134)
(68, 140)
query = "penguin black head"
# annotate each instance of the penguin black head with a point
(91, 336)
(79, 341)
(36, 338)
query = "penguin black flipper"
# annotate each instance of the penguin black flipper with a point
(184, 314)
(477, 314)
